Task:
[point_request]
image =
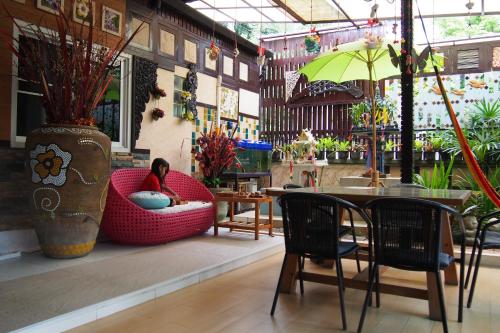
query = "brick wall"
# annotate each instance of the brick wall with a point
(14, 204)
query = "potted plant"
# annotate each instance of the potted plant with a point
(68, 158)
(417, 154)
(217, 153)
(320, 149)
(357, 111)
(343, 149)
(433, 145)
(356, 151)
(325, 146)
(390, 146)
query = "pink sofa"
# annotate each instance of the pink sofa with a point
(126, 223)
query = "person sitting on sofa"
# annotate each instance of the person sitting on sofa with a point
(155, 180)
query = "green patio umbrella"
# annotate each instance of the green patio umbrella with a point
(370, 59)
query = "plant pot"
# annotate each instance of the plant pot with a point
(222, 206)
(430, 155)
(355, 155)
(388, 155)
(417, 155)
(444, 155)
(343, 155)
(68, 168)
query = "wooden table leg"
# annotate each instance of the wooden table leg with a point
(231, 214)
(216, 231)
(450, 273)
(270, 214)
(257, 222)
(289, 278)
(433, 297)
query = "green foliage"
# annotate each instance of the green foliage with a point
(438, 179)
(419, 145)
(357, 111)
(326, 143)
(478, 198)
(468, 26)
(484, 114)
(390, 145)
(343, 146)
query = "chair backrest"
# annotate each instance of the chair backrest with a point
(311, 223)
(408, 186)
(287, 186)
(407, 232)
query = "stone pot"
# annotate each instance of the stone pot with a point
(417, 155)
(343, 155)
(355, 155)
(388, 155)
(68, 168)
(430, 155)
(222, 206)
(444, 155)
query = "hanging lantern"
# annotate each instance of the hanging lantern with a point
(213, 51)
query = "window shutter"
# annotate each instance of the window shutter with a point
(468, 59)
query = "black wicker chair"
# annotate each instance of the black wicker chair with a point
(344, 229)
(484, 239)
(311, 224)
(407, 235)
(290, 186)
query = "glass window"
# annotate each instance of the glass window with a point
(178, 102)
(111, 113)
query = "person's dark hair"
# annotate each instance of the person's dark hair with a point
(155, 168)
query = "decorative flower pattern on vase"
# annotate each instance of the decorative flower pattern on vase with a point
(49, 164)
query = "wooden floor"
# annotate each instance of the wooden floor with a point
(240, 301)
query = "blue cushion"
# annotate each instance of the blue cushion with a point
(150, 199)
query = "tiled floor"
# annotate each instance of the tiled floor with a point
(40, 294)
(240, 301)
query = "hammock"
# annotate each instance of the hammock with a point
(469, 157)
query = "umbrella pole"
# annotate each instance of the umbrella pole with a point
(375, 177)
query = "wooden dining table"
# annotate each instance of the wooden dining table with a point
(360, 196)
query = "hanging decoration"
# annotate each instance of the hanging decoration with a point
(189, 94)
(312, 41)
(261, 51)
(291, 79)
(236, 52)
(373, 20)
(213, 50)
(285, 40)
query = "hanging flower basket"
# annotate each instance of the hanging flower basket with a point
(158, 113)
(158, 93)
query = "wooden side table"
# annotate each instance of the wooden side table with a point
(232, 224)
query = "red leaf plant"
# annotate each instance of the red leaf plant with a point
(71, 69)
(218, 152)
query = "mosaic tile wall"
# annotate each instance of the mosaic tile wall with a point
(463, 90)
(248, 129)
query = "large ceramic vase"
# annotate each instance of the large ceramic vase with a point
(68, 169)
(222, 206)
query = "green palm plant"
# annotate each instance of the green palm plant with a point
(485, 113)
(438, 179)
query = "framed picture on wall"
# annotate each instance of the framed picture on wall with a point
(228, 103)
(81, 12)
(51, 6)
(111, 21)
